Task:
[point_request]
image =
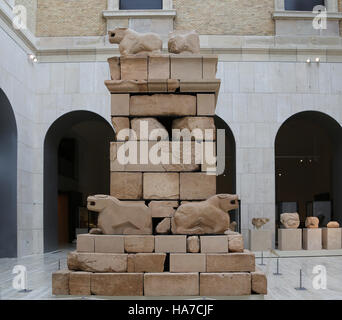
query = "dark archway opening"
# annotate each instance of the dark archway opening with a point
(76, 164)
(8, 179)
(308, 164)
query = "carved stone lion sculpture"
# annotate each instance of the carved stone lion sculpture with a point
(118, 217)
(184, 42)
(259, 222)
(311, 222)
(290, 220)
(206, 217)
(132, 42)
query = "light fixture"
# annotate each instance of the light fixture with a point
(308, 60)
(33, 58)
(318, 59)
(301, 160)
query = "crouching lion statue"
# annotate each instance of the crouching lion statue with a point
(206, 217)
(119, 217)
(132, 42)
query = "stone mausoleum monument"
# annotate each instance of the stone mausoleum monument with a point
(163, 231)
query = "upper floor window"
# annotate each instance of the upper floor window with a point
(141, 5)
(302, 5)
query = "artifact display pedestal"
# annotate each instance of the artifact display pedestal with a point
(289, 239)
(260, 240)
(312, 239)
(332, 238)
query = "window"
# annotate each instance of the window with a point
(302, 5)
(141, 5)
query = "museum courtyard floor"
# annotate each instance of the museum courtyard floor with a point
(40, 267)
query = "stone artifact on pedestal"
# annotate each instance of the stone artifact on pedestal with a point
(332, 238)
(290, 220)
(333, 224)
(259, 222)
(312, 239)
(184, 42)
(312, 222)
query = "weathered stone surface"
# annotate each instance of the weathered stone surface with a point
(260, 240)
(235, 243)
(146, 262)
(120, 104)
(214, 244)
(117, 284)
(164, 227)
(133, 67)
(333, 224)
(193, 244)
(206, 217)
(60, 282)
(95, 231)
(132, 42)
(85, 243)
(161, 186)
(171, 284)
(210, 66)
(135, 244)
(290, 220)
(119, 217)
(259, 282)
(225, 284)
(143, 127)
(172, 85)
(159, 67)
(232, 226)
(259, 222)
(163, 209)
(201, 128)
(312, 239)
(109, 244)
(120, 123)
(186, 67)
(290, 239)
(187, 262)
(231, 262)
(206, 104)
(331, 238)
(311, 222)
(157, 85)
(114, 67)
(162, 105)
(97, 262)
(126, 86)
(126, 185)
(184, 42)
(197, 186)
(79, 283)
(174, 244)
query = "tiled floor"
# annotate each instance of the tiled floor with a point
(279, 287)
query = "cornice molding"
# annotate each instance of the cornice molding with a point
(303, 15)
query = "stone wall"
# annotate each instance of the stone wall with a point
(57, 18)
(31, 7)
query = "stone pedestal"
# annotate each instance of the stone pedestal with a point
(289, 239)
(312, 239)
(331, 238)
(260, 240)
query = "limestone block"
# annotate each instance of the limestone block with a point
(163, 209)
(97, 262)
(260, 240)
(214, 244)
(161, 186)
(331, 238)
(120, 123)
(206, 217)
(259, 282)
(193, 244)
(159, 67)
(120, 104)
(120, 217)
(135, 244)
(164, 227)
(133, 67)
(172, 85)
(197, 186)
(174, 244)
(185, 67)
(312, 239)
(126, 86)
(206, 86)
(186, 42)
(109, 244)
(235, 243)
(85, 243)
(143, 127)
(225, 284)
(162, 105)
(114, 67)
(117, 284)
(290, 220)
(289, 239)
(79, 283)
(231, 262)
(210, 66)
(206, 104)
(126, 185)
(200, 128)
(171, 284)
(60, 282)
(146, 262)
(157, 85)
(187, 262)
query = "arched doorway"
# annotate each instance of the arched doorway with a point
(308, 164)
(8, 179)
(76, 164)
